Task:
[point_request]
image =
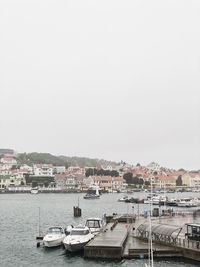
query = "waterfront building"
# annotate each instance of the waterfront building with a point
(43, 170)
(186, 179)
(60, 180)
(71, 182)
(195, 179)
(7, 181)
(109, 182)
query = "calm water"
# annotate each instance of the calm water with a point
(19, 227)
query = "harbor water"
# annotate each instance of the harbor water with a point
(19, 226)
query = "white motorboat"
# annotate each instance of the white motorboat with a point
(95, 225)
(34, 190)
(123, 199)
(93, 193)
(77, 239)
(54, 237)
(187, 202)
(156, 200)
(152, 198)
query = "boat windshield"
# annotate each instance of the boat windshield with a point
(79, 232)
(55, 230)
(92, 224)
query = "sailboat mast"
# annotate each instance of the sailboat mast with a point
(150, 229)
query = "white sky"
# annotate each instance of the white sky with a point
(109, 79)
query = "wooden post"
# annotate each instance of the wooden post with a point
(77, 212)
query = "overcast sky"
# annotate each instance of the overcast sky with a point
(106, 79)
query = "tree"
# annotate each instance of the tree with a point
(34, 184)
(128, 177)
(147, 183)
(136, 180)
(90, 172)
(179, 181)
(141, 181)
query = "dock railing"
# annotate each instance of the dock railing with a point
(178, 243)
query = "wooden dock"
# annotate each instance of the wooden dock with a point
(120, 243)
(120, 240)
(137, 248)
(108, 244)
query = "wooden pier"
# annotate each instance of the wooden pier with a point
(120, 240)
(110, 243)
(137, 248)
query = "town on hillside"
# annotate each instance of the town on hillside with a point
(18, 177)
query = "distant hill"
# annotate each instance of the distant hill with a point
(6, 151)
(47, 158)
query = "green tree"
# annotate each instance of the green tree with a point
(179, 181)
(90, 172)
(128, 177)
(147, 183)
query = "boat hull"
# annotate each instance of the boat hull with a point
(91, 197)
(75, 247)
(53, 243)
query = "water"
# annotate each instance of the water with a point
(19, 224)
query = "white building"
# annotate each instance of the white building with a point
(26, 168)
(11, 180)
(59, 169)
(195, 180)
(43, 170)
(71, 182)
(8, 161)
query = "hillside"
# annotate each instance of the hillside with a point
(47, 158)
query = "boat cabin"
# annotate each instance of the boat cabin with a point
(94, 224)
(80, 231)
(193, 231)
(55, 230)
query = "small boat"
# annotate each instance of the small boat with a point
(92, 193)
(156, 200)
(78, 238)
(186, 202)
(34, 190)
(54, 237)
(123, 199)
(95, 225)
(172, 202)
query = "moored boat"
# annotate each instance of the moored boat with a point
(92, 193)
(123, 199)
(34, 190)
(77, 239)
(54, 237)
(187, 202)
(95, 225)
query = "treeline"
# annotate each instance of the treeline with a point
(47, 158)
(130, 179)
(101, 172)
(36, 181)
(41, 158)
